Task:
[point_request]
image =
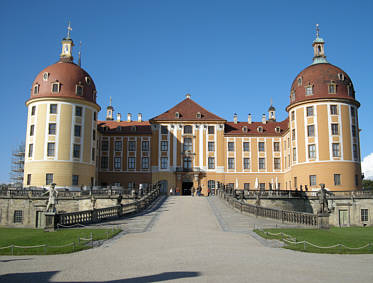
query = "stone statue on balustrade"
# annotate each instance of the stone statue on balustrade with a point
(323, 200)
(52, 199)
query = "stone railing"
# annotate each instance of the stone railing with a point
(97, 215)
(301, 218)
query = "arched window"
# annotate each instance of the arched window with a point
(244, 129)
(260, 129)
(188, 129)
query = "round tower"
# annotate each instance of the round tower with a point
(323, 127)
(61, 125)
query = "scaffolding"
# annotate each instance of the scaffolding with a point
(17, 166)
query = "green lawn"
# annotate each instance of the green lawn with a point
(34, 237)
(350, 236)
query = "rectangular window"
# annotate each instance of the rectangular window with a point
(355, 152)
(131, 146)
(246, 186)
(79, 90)
(309, 90)
(131, 162)
(52, 129)
(93, 154)
(75, 180)
(18, 216)
(211, 162)
(261, 146)
(276, 164)
(28, 179)
(33, 110)
(117, 162)
(352, 112)
(312, 180)
(294, 154)
(30, 149)
(77, 130)
(309, 111)
(311, 151)
(188, 129)
(293, 136)
(145, 146)
(188, 145)
(356, 180)
(292, 115)
(94, 135)
(105, 145)
(104, 162)
(211, 184)
(364, 214)
(211, 130)
(311, 130)
(336, 150)
(337, 179)
(53, 109)
(94, 116)
(246, 146)
(118, 145)
(332, 88)
(353, 129)
(334, 129)
(164, 162)
(187, 162)
(76, 151)
(262, 163)
(164, 130)
(50, 149)
(333, 110)
(78, 111)
(262, 186)
(276, 146)
(211, 146)
(164, 146)
(55, 87)
(48, 178)
(230, 146)
(32, 127)
(230, 163)
(145, 163)
(246, 163)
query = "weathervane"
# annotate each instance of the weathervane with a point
(317, 30)
(68, 31)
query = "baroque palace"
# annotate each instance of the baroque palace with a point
(188, 146)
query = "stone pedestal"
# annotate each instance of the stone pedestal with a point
(323, 221)
(50, 221)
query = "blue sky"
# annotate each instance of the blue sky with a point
(232, 56)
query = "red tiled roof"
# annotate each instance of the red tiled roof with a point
(124, 127)
(188, 110)
(252, 129)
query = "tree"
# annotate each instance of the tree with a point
(367, 184)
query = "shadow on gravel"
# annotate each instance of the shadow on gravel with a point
(45, 277)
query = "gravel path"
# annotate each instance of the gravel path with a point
(187, 243)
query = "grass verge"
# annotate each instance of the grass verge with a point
(352, 237)
(35, 237)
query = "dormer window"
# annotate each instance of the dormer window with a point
(309, 90)
(198, 115)
(36, 89)
(88, 80)
(332, 88)
(341, 77)
(299, 81)
(292, 96)
(45, 76)
(177, 115)
(56, 87)
(260, 129)
(350, 90)
(79, 90)
(244, 129)
(277, 130)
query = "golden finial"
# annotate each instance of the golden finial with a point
(317, 31)
(69, 29)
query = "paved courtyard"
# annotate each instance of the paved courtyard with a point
(188, 239)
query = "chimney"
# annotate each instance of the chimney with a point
(264, 120)
(129, 117)
(139, 117)
(249, 120)
(235, 118)
(118, 117)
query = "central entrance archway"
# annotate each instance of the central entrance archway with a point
(187, 188)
